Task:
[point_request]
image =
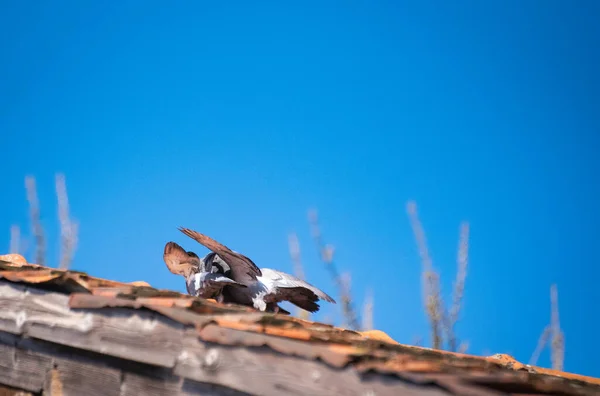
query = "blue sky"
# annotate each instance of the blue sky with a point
(234, 119)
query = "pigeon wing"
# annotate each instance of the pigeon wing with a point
(282, 280)
(243, 270)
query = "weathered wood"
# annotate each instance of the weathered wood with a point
(8, 391)
(126, 335)
(165, 383)
(72, 377)
(22, 369)
(260, 371)
(141, 336)
(66, 372)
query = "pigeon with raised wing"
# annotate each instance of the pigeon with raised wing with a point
(200, 280)
(265, 287)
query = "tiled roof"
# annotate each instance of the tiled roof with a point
(183, 327)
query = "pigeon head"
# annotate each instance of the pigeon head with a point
(179, 261)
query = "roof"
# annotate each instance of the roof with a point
(66, 332)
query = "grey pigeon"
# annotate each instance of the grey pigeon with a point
(200, 280)
(265, 287)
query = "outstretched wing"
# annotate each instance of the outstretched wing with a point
(243, 270)
(221, 280)
(178, 261)
(283, 280)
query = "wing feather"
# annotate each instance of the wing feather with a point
(243, 270)
(285, 280)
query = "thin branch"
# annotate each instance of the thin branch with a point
(346, 279)
(68, 228)
(367, 316)
(294, 247)
(430, 279)
(36, 225)
(326, 254)
(459, 286)
(15, 239)
(540, 346)
(463, 347)
(558, 339)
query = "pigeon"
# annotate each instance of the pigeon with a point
(265, 287)
(206, 277)
(200, 280)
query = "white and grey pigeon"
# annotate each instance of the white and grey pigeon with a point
(200, 279)
(265, 287)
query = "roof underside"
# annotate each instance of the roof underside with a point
(64, 332)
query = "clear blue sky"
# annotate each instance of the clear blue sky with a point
(235, 119)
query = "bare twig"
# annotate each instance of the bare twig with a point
(463, 347)
(294, 246)
(68, 228)
(558, 339)
(326, 254)
(367, 316)
(552, 333)
(346, 280)
(15, 239)
(540, 346)
(430, 279)
(459, 286)
(36, 225)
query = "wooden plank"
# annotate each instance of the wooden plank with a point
(260, 371)
(55, 371)
(140, 335)
(74, 378)
(199, 388)
(68, 371)
(8, 391)
(166, 383)
(22, 369)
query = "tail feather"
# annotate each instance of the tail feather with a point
(299, 296)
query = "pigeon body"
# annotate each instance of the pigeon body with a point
(265, 287)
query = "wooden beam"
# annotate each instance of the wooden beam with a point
(8, 391)
(117, 351)
(139, 335)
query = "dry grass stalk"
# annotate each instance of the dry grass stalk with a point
(36, 225)
(430, 279)
(326, 254)
(557, 345)
(367, 316)
(294, 246)
(552, 333)
(459, 286)
(15, 239)
(540, 346)
(68, 228)
(346, 280)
